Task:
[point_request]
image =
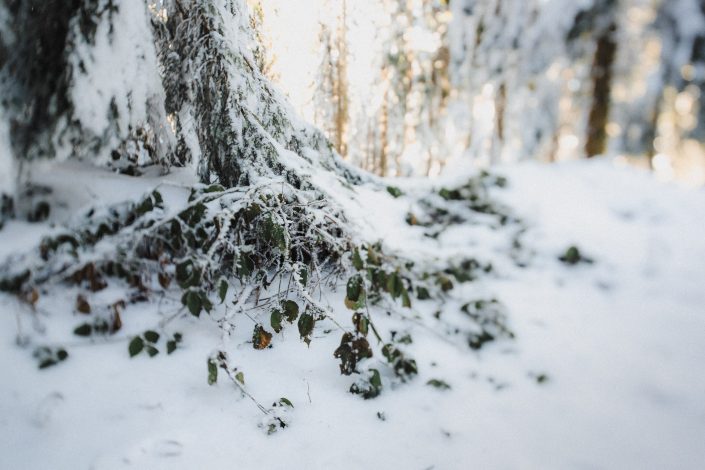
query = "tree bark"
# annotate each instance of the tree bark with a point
(601, 75)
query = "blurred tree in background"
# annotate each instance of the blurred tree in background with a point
(504, 80)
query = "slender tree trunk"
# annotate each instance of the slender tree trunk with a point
(341, 86)
(605, 52)
(384, 126)
(500, 107)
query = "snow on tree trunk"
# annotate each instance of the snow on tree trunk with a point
(81, 80)
(127, 84)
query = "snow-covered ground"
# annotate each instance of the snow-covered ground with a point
(606, 370)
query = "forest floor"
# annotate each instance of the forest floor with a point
(605, 371)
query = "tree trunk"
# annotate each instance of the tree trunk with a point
(341, 85)
(384, 126)
(601, 75)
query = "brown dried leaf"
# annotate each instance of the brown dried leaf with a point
(31, 297)
(82, 305)
(261, 337)
(164, 280)
(117, 319)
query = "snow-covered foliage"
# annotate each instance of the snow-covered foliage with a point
(128, 63)
(264, 225)
(224, 109)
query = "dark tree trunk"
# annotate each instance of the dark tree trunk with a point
(601, 75)
(33, 65)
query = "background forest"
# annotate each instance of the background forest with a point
(402, 87)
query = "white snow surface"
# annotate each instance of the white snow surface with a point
(621, 343)
(7, 163)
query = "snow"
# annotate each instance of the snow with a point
(7, 163)
(117, 81)
(619, 343)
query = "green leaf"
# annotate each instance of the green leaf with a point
(477, 340)
(212, 372)
(135, 347)
(157, 196)
(355, 305)
(14, 283)
(303, 274)
(357, 260)
(193, 215)
(276, 320)
(306, 324)
(285, 401)
(83, 330)
(183, 270)
(192, 300)
(240, 377)
(170, 346)
(274, 233)
(361, 323)
(394, 191)
(245, 265)
(395, 285)
(291, 310)
(450, 194)
(445, 283)
(370, 387)
(151, 336)
(390, 352)
(573, 256)
(375, 380)
(151, 350)
(145, 206)
(439, 384)
(354, 287)
(403, 367)
(48, 357)
(48, 362)
(222, 290)
(176, 234)
(405, 300)
(251, 212)
(187, 275)
(422, 293)
(214, 188)
(61, 354)
(406, 339)
(378, 278)
(205, 302)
